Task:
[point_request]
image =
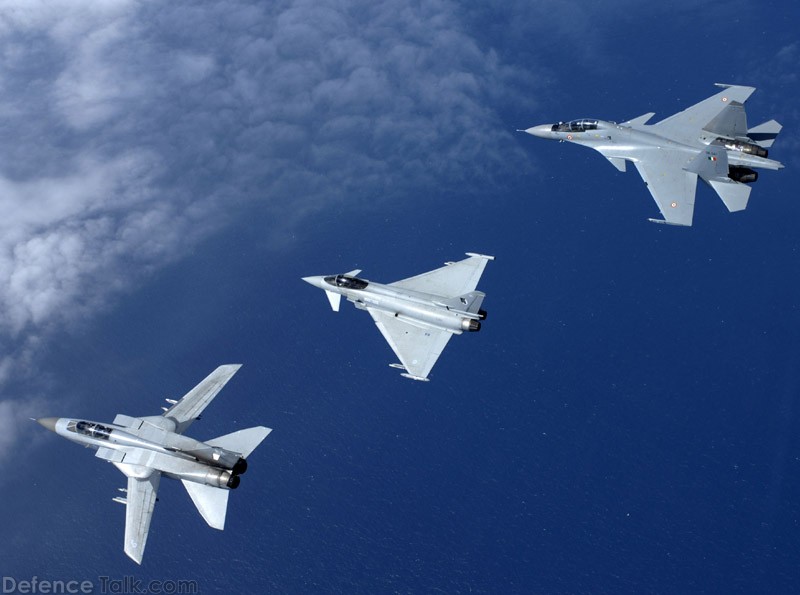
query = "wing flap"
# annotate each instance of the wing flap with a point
(416, 347)
(617, 162)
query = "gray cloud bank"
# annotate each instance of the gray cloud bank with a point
(128, 129)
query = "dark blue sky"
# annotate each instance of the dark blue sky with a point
(626, 421)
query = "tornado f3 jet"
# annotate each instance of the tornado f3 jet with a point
(710, 140)
(145, 448)
(418, 315)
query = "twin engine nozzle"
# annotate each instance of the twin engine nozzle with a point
(470, 325)
(222, 478)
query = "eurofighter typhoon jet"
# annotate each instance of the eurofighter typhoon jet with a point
(710, 140)
(145, 448)
(418, 315)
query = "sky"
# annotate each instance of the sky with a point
(627, 420)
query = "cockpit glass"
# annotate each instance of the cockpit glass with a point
(90, 429)
(575, 126)
(346, 281)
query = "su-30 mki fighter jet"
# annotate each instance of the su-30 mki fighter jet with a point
(145, 448)
(418, 315)
(710, 140)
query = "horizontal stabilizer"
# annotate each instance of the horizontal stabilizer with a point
(211, 502)
(640, 120)
(733, 194)
(765, 134)
(244, 441)
(334, 298)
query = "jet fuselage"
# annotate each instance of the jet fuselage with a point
(410, 306)
(623, 141)
(413, 306)
(181, 457)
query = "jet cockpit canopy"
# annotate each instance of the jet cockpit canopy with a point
(575, 126)
(90, 429)
(346, 281)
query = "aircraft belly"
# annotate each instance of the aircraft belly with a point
(425, 316)
(173, 465)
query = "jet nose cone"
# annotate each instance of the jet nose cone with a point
(542, 131)
(48, 422)
(315, 281)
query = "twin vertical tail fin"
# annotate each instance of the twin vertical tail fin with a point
(212, 502)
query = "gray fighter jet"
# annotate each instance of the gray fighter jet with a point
(145, 448)
(710, 140)
(418, 315)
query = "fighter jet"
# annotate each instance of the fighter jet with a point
(145, 448)
(418, 315)
(710, 140)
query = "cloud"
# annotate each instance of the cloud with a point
(130, 128)
(15, 415)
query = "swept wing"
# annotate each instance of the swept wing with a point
(141, 500)
(189, 408)
(721, 114)
(451, 280)
(417, 347)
